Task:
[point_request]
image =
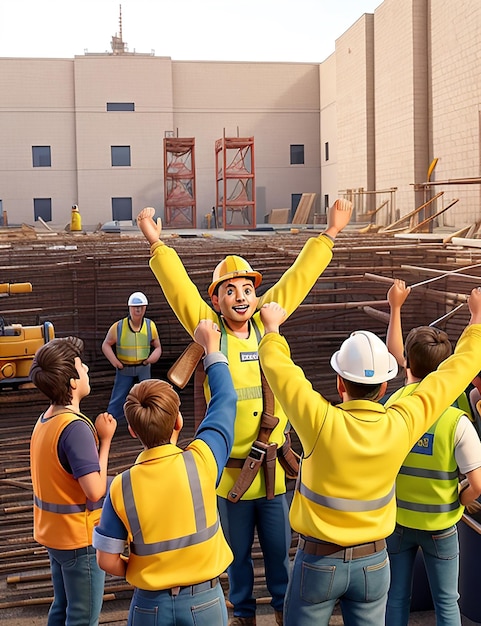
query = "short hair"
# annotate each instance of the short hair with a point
(53, 367)
(151, 409)
(361, 391)
(426, 347)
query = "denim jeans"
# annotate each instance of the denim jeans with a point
(239, 521)
(441, 557)
(317, 582)
(123, 383)
(78, 587)
(202, 605)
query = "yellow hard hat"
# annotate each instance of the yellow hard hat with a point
(233, 267)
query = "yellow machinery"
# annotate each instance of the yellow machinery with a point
(18, 343)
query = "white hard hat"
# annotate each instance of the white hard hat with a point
(138, 299)
(364, 358)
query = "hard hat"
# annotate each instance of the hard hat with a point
(138, 299)
(233, 267)
(364, 358)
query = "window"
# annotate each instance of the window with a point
(326, 151)
(295, 199)
(326, 202)
(122, 209)
(41, 156)
(42, 207)
(297, 154)
(120, 106)
(120, 155)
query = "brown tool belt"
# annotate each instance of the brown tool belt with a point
(282, 453)
(335, 551)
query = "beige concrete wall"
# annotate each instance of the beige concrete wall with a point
(33, 115)
(328, 121)
(456, 100)
(401, 91)
(355, 113)
(276, 103)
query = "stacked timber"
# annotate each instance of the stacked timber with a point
(81, 284)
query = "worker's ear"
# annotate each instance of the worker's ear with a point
(341, 389)
(215, 302)
(73, 383)
(179, 422)
(131, 431)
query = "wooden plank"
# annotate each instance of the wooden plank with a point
(304, 207)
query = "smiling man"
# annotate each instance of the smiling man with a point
(252, 488)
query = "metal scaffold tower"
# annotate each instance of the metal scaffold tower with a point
(179, 182)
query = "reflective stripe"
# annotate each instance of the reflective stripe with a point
(420, 472)
(64, 509)
(203, 533)
(249, 393)
(428, 508)
(342, 504)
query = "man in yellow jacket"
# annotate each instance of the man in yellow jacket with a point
(262, 505)
(344, 506)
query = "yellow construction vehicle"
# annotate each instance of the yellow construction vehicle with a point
(18, 343)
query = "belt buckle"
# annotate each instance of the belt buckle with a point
(258, 450)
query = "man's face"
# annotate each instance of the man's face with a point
(83, 382)
(236, 299)
(137, 312)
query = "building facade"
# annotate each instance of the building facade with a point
(402, 88)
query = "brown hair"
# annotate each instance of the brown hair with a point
(361, 391)
(151, 409)
(54, 365)
(426, 347)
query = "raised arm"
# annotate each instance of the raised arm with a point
(396, 296)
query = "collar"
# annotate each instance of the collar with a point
(158, 453)
(371, 411)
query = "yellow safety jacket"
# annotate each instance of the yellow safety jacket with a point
(168, 504)
(63, 516)
(427, 483)
(132, 348)
(189, 307)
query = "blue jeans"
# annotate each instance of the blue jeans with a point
(78, 587)
(239, 521)
(441, 558)
(200, 605)
(317, 582)
(123, 383)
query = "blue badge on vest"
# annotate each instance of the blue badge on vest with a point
(249, 356)
(424, 445)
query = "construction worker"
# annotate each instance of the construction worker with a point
(68, 462)
(75, 219)
(165, 506)
(137, 346)
(252, 488)
(428, 505)
(344, 505)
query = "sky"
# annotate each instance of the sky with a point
(194, 30)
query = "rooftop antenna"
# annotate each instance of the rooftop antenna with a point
(118, 46)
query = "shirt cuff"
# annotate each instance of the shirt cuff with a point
(107, 544)
(214, 357)
(155, 245)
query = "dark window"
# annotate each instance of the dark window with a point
(42, 207)
(41, 156)
(326, 201)
(121, 209)
(120, 106)
(297, 154)
(326, 151)
(295, 199)
(120, 155)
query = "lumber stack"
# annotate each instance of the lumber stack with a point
(82, 284)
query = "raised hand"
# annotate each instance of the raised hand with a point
(150, 229)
